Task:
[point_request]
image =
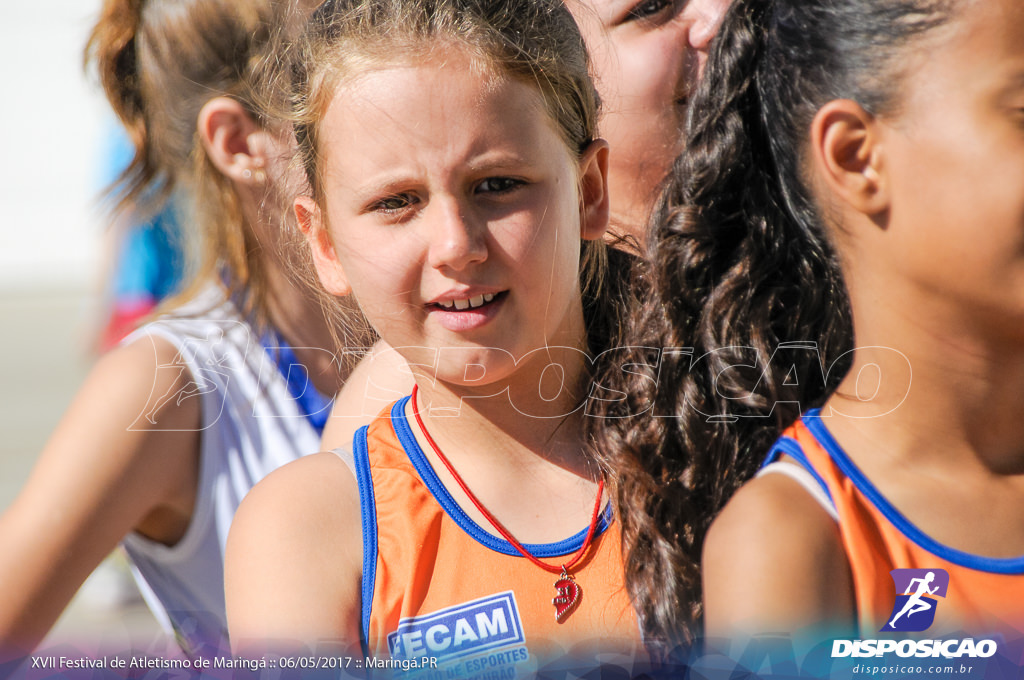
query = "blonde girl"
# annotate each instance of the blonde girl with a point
(458, 193)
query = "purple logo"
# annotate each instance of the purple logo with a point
(916, 593)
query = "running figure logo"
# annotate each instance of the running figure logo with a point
(916, 592)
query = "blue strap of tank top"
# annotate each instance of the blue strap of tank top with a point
(314, 405)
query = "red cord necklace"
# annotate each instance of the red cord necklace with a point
(568, 592)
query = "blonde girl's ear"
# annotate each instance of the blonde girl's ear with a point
(848, 154)
(595, 210)
(325, 258)
(236, 145)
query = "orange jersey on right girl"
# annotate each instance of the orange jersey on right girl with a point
(985, 595)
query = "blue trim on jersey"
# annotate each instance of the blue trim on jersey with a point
(452, 509)
(1010, 565)
(368, 514)
(313, 404)
(791, 448)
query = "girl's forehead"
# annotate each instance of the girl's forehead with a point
(450, 76)
(413, 93)
(351, 59)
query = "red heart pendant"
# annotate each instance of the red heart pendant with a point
(568, 597)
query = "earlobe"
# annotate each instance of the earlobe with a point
(847, 150)
(232, 140)
(325, 258)
(595, 210)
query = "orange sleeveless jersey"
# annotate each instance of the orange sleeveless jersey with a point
(985, 595)
(436, 585)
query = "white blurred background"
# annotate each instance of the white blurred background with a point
(52, 118)
(50, 122)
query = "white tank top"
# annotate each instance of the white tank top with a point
(251, 425)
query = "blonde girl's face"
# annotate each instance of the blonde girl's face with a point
(647, 56)
(454, 216)
(955, 155)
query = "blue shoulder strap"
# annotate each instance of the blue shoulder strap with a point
(313, 404)
(368, 513)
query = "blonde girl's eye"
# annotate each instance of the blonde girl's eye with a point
(393, 204)
(498, 185)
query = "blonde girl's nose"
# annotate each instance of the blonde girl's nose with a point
(456, 238)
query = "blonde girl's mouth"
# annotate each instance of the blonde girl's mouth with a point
(460, 314)
(466, 303)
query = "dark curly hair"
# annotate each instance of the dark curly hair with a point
(740, 274)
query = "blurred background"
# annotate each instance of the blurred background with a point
(53, 124)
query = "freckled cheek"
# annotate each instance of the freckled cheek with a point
(544, 265)
(536, 224)
(522, 249)
(380, 273)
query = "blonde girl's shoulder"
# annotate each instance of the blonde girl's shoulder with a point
(773, 561)
(380, 378)
(294, 558)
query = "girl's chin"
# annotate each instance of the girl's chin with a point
(483, 368)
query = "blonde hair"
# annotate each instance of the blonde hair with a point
(160, 62)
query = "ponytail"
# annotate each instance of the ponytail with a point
(741, 273)
(111, 50)
(160, 62)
